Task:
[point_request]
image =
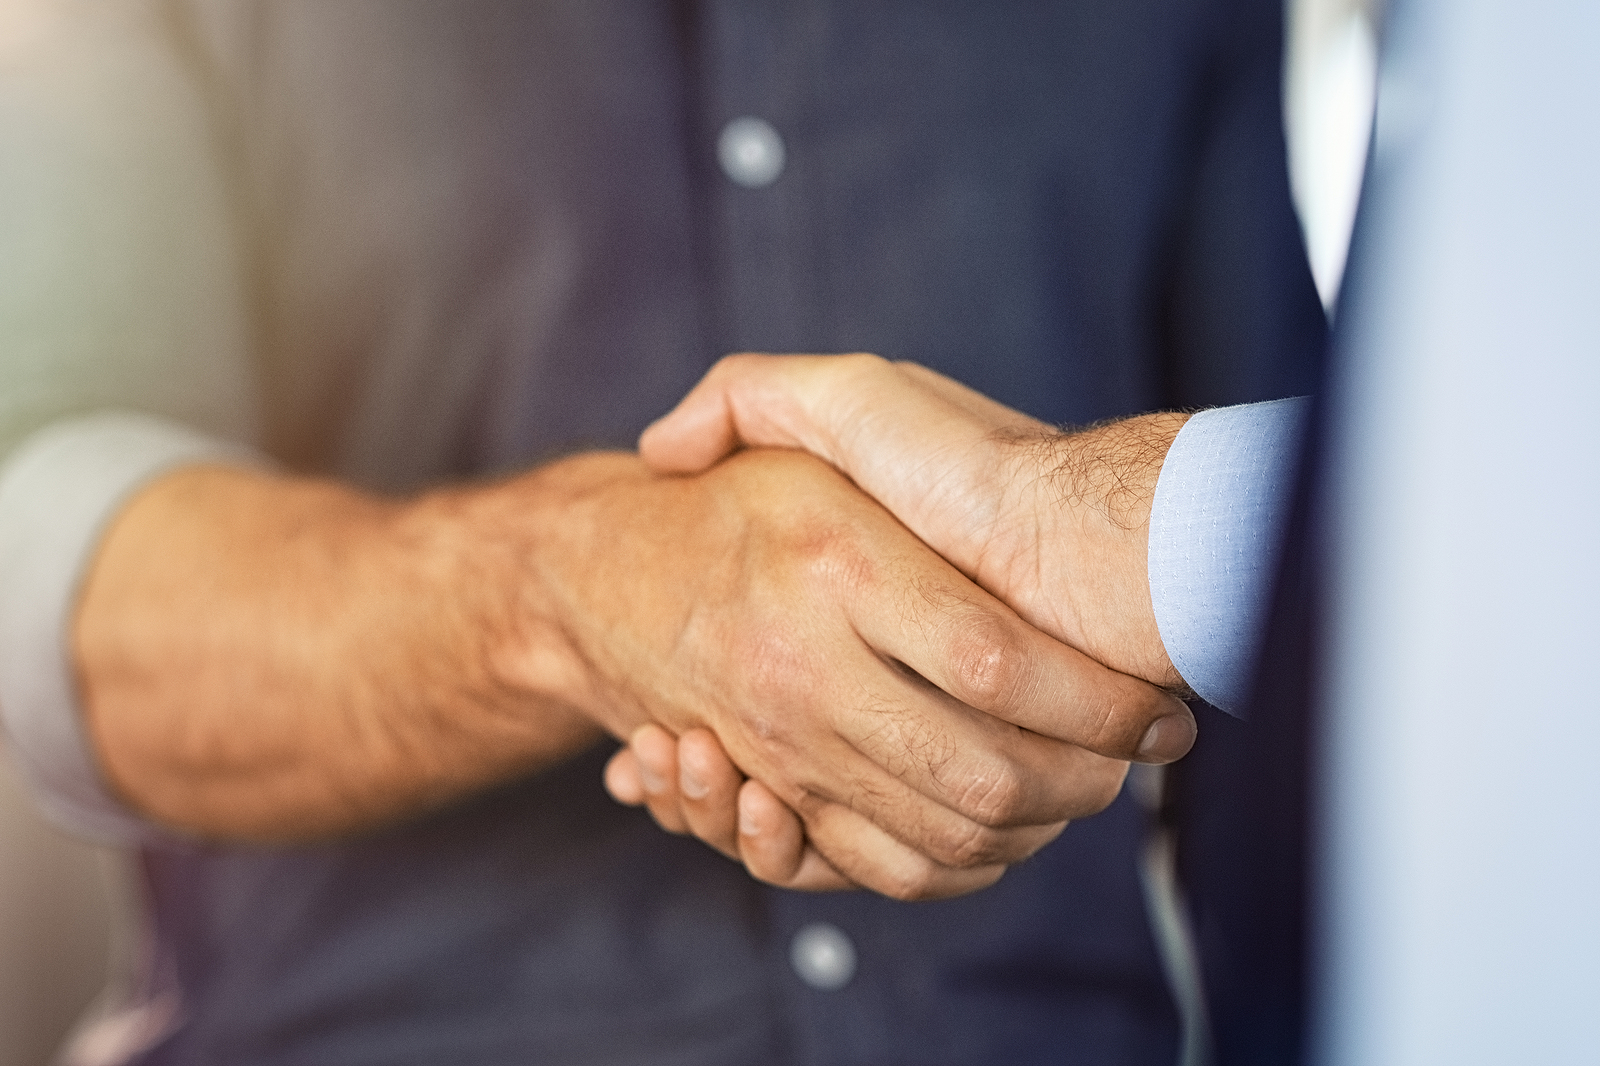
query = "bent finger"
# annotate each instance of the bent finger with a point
(976, 649)
(901, 791)
(867, 855)
(750, 399)
(983, 769)
(656, 752)
(708, 788)
(773, 846)
(622, 778)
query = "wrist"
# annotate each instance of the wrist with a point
(539, 545)
(1073, 540)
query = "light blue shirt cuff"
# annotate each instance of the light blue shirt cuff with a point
(1216, 531)
(59, 490)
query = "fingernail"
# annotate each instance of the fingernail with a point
(749, 825)
(690, 783)
(1167, 739)
(652, 782)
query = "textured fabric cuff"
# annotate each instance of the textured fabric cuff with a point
(1216, 530)
(58, 491)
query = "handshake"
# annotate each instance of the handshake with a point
(860, 626)
(939, 622)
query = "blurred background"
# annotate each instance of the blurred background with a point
(64, 905)
(57, 899)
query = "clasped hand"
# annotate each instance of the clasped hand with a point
(905, 713)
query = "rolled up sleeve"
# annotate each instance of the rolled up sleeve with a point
(59, 490)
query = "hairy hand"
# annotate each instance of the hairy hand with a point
(1054, 524)
(927, 734)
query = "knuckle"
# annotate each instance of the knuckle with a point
(990, 665)
(907, 742)
(972, 845)
(863, 365)
(993, 793)
(736, 362)
(761, 728)
(1130, 707)
(832, 558)
(913, 882)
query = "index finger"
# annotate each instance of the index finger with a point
(976, 649)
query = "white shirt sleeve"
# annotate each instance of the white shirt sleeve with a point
(1216, 530)
(58, 492)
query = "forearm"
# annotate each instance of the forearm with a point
(275, 658)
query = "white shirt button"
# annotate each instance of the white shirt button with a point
(751, 152)
(823, 957)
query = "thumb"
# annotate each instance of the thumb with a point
(768, 401)
(693, 435)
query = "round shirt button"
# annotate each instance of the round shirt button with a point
(751, 152)
(823, 957)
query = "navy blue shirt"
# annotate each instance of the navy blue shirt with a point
(483, 233)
